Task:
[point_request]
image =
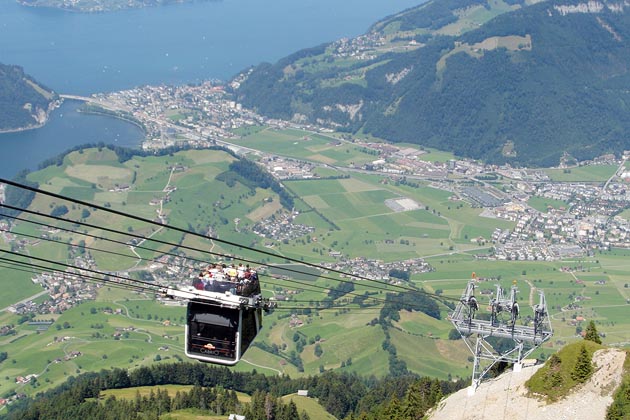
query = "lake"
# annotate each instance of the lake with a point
(75, 53)
(66, 128)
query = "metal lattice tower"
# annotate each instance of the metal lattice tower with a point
(502, 322)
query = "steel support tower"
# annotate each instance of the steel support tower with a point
(501, 320)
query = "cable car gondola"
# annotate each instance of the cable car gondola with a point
(222, 320)
(219, 332)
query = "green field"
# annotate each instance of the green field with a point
(306, 146)
(543, 204)
(306, 404)
(349, 216)
(592, 173)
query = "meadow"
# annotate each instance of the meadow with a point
(594, 173)
(303, 403)
(349, 215)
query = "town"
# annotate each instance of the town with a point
(204, 115)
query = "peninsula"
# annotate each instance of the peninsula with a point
(24, 103)
(92, 6)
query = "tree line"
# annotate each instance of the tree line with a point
(255, 173)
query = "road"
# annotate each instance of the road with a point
(618, 172)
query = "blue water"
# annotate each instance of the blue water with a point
(65, 129)
(78, 53)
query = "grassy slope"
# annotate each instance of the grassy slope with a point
(365, 223)
(538, 383)
(306, 404)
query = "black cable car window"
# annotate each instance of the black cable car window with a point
(249, 329)
(212, 330)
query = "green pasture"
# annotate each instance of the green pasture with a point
(343, 206)
(431, 155)
(420, 324)
(308, 405)
(432, 357)
(247, 130)
(356, 344)
(15, 284)
(542, 204)
(316, 187)
(295, 271)
(591, 173)
(43, 354)
(294, 143)
(305, 145)
(617, 314)
(145, 391)
(266, 363)
(154, 313)
(473, 17)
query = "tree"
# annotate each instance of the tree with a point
(59, 211)
(318, 350)
(553, 378)
(591, 333)
(583, 368)
(453, 334)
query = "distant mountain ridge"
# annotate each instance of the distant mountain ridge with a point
(24, 103)
(502, 81)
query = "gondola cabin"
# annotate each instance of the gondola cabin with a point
(223, 317)
(217, 332)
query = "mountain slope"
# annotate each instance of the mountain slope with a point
(23, 102)
(491, 80)
(506, 397)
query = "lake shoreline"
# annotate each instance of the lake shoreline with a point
(115, 116)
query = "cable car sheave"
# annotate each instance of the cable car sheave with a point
(224, 314)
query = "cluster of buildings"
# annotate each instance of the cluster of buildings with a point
(11, 399)
(375, 269)
(359, 48)
(405, 161)
(369, 46)
(66, 290)
(285, 168)
(281, 227)
(589, 221)
(197, 115)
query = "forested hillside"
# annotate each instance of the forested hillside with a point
(342, 395)
(23, 102)
(496, 80)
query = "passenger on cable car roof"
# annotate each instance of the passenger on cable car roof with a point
(198, 282)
